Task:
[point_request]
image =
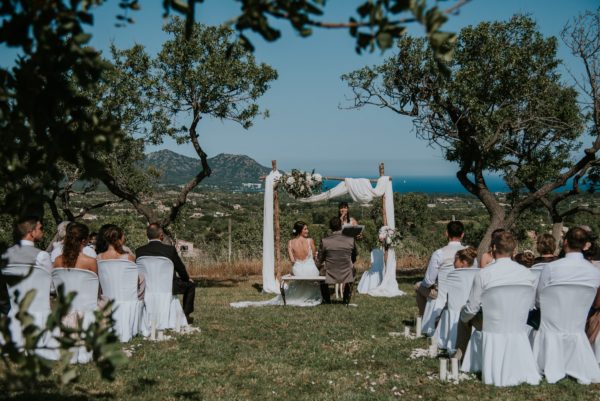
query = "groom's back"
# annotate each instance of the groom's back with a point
(337, 254)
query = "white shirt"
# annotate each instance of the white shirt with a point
(42, 259)
(504, 271)
(572, 269)
(443, 257)
(57, 250)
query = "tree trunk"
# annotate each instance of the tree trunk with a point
(557, 233)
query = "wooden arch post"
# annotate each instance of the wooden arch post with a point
(276, 224)
(381, 174)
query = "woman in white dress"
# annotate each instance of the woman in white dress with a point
(302, 253)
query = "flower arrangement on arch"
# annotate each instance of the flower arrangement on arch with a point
(389, 237)
(301, 184)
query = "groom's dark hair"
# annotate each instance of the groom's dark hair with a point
(335, 224)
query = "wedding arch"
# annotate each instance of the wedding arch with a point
(361, 190)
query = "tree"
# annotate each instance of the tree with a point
(502, 109)
(209, 75)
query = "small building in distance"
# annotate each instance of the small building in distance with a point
(186, 248)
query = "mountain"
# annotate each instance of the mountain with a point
(227, 170)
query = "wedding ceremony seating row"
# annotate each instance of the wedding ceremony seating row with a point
(118, 279)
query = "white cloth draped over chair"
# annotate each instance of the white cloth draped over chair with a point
(457, 286)
(561, 346)
(119, 280)
(506, 355)
(162, 306)
(85, 284)
(372, 278)
(434, 307)
(40, 281)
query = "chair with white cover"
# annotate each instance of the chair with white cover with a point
(162, 307)
(561, 346)
(40, 281)
(434, 307)
(537, 269)
(85, 284)
(506, 356)
(119, 280)
(458, 285)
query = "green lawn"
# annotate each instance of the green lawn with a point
(330, 352)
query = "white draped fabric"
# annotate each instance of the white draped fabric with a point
(270, 284)
(561, 347)
(361, 191)
(373, 277)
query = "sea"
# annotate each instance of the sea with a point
(431, 184)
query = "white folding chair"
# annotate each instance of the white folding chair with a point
(561, 346)
(458, 285)
(40, 281)
(162, 307)
(85, 284)
(434, 307)
(118, 280)
(506, 356)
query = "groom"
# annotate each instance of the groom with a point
(337, 254)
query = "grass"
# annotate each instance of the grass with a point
(329, 352)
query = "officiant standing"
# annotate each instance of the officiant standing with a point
(336, 257)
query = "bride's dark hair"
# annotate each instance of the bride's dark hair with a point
(298, 227)
(341, 205)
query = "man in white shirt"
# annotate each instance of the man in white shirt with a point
(573, 268)
(503, 271)
(441, 259)
(29, 229)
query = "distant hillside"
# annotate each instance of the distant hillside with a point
(227, 170)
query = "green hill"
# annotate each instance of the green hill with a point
(227, 170)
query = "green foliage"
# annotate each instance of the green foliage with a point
(43, 116)
(23, 368)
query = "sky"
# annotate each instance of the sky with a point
(310, 126)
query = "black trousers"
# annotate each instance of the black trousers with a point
(188, 289)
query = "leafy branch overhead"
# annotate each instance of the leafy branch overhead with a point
(376, 24)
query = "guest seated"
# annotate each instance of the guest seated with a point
(442, 258)
(465, 258)
(182, 283)
(503, 271)
(75, 240)
(112, 244)
(58, 243)
(488, 257)
(525, 258)
(546, 247)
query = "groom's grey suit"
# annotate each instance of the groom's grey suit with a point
(337, 254)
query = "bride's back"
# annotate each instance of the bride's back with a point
(300, 248)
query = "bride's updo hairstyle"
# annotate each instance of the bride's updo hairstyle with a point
(298, 227)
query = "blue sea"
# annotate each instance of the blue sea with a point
(432, 184)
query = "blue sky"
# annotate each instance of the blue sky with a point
(307, 129)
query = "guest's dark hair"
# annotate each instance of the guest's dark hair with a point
(341, 205)
(455, 229)
(154, 231)
(545, 244)
(468, 254)
(101, 244)
(576, 238)
(113, 236)
(593, 252)
(76, 236)
(298, 227)
(335, 224)
(24, 225)
(504, 243)
(525, 258)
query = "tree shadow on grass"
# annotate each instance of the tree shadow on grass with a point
(142, 383)
(55, 396)
(224, 283)
(188, 395)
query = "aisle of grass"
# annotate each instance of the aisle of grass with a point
(330, 352)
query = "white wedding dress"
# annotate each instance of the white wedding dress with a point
(297, 293)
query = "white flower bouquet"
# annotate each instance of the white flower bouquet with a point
(389, 237)
(301, 184)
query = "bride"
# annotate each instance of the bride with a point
(302, 253)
